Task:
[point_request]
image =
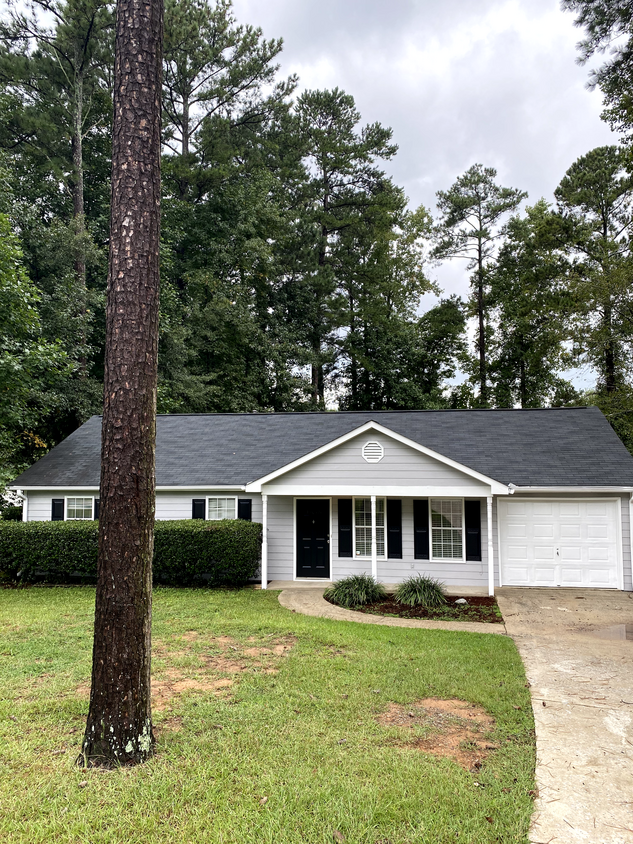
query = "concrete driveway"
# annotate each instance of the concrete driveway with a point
(580, 667)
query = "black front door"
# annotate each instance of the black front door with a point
(313, 537)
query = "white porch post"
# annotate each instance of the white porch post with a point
(25, 506)
(264, 541)
(374, 552)
(491, 560)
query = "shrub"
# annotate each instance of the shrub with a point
(354, 591)
(186, 552)
(421, 590)
(12, 513)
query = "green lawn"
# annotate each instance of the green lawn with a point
(297, 726)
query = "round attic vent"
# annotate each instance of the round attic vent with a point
(373, 452)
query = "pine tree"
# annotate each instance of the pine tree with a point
(119, 727)
(471, 227)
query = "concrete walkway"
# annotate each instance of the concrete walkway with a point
(582, 695)
(310, 601)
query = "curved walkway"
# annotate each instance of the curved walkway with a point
(311, 602)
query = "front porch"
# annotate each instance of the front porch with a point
(310, 541)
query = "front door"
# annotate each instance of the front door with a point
(313, 537)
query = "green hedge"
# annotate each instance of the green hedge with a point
(186, 552)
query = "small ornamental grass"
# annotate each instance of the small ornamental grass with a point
(421, 590)
(355, 591)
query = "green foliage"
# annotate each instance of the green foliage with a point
(595, 199)
(421, 590)
(471, 227)
(354, 591)
(31, 369)
(608, 26)
(534, 308)
(11, 513)
(186, 552)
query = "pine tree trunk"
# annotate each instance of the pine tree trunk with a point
(119, 727)
(483, 380)
(79, 213)
(610, 374)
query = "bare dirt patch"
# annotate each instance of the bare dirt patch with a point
(212, 673)
(453, 729)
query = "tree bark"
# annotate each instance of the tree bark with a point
(119, 727)
(483, 375)
(78, 211)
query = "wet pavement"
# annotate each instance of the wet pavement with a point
(577, 648)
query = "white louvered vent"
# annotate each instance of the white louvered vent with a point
(373, 452)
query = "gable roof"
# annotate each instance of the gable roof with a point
(547, 447)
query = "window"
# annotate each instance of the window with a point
(221, 508)
(362, 527)
(446, 529)
(78, 508)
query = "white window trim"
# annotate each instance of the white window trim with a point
(433, 559)
(295, 577)
(92, 499)
(206, 506)
(367, 556)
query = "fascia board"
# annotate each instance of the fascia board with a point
(496, 487)
(382, 491)
(572, 489)
(162, 488)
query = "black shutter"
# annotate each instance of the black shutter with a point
(96, 508)
(345, 527)
(57, 512)
(421, 528)
(198, 508)
(472, 519)
(394, 528)
(245, 509)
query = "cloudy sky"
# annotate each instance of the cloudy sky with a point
(491, 81)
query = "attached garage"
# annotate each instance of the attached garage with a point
(561, 542)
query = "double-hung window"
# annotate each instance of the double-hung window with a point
(447, 539)
(363, 526)
(78, 508)
(221, 508)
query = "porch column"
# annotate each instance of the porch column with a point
(264, 541)
(491, 560)
(374, 553)
(25, 506)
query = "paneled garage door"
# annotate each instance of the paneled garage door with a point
(559, 543)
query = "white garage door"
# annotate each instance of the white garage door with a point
(559, 543)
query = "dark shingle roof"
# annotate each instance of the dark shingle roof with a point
(549, 447)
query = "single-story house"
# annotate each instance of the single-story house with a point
(473, 497)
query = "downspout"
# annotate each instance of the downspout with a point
(264, 541)
(630, 529)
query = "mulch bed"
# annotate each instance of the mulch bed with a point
(477, 609)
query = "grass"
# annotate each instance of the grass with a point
(306, 738)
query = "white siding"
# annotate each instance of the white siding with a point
(280, 538)
(177, 505)
(400, 466)
(41, 503)
(451, 572)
